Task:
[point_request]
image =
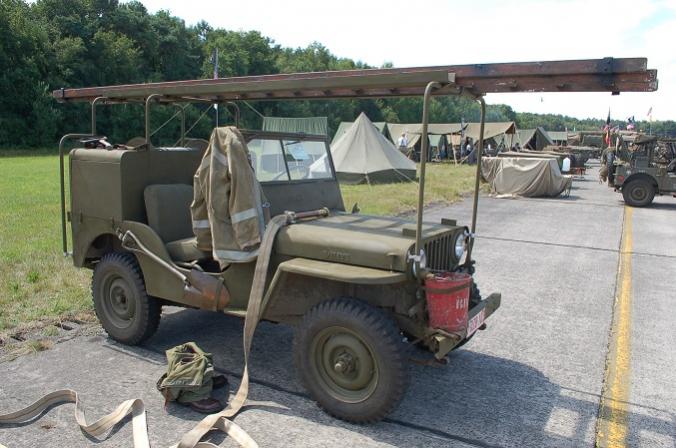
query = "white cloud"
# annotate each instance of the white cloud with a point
(437, 32)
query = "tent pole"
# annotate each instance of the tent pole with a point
(477, 180)
(421, 182)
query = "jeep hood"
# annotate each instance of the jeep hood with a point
(371, 241)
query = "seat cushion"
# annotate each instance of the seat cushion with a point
(186, 250)
(168, 210)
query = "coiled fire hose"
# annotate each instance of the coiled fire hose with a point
(219, 421)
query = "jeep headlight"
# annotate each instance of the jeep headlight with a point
(460, 245)
(419, 262)
(422, 262)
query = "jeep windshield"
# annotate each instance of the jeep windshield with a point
(289, 157)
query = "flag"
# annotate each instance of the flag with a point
(650, 112)
(631, 123)
(606, 128)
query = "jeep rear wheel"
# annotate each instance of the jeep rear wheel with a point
(350, 357)
(638, 193)
(122, 305)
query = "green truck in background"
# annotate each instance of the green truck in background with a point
(644, 168)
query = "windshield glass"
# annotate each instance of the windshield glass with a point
(284, 160)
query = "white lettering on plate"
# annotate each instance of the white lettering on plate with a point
(475, 322)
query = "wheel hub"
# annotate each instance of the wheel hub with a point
(345, 364)
(119, 305)
(639, 193)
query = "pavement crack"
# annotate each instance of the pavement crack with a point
(545, 243)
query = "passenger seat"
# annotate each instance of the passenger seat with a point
(168, 211)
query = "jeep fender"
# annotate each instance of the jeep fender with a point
(301, 283)
(640, 176)
(160, 282)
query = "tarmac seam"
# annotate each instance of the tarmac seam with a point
(612, 419)
(421, 428)
(545, 243)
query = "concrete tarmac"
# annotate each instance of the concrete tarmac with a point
(533, 378)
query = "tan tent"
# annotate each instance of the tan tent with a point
(363, 154)
(491, 130)
(524, 176)
(345, 125)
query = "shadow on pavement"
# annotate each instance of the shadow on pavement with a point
(477, 399)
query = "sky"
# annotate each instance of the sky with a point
(438, 32)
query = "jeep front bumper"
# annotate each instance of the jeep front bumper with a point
(444, 342)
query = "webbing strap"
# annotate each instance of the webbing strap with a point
(100, 426)
(217, 421)
(253, 314)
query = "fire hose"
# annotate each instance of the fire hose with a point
(218, 421)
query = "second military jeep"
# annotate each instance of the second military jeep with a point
(645, 168)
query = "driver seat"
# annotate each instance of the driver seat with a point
(168, 211)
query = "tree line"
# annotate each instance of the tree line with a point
(50, 44)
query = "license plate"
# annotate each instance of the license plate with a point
(475, 322)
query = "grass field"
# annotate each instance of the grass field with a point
(38, 284)
(36, 281)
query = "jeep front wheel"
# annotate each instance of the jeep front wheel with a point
(122, 305)
(638, 193)
(349, 356)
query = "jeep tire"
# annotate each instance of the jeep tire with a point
(350, 357)
(638, 193)
(121, 303)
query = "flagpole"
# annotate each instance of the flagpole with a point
(215, 59)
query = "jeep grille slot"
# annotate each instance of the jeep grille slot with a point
(440, 253)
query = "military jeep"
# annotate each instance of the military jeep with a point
(346, 280)
(353, 285)
(644, 168)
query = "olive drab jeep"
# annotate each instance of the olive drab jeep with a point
(346, 280)
(356, 287)
(645, 168)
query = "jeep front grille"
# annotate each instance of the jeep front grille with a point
(440, 253)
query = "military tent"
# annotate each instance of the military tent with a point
(535, 139)
(345, 125)
(491, 130)
(363, 154)
(558, 137)
(308, 125)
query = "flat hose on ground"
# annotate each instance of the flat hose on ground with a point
(219, 420)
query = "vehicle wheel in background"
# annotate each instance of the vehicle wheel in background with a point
(638, 193)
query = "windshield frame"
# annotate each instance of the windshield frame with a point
(281, 137)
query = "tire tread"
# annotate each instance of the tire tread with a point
(150, 307)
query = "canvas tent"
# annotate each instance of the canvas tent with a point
(524, 176)
(345, 125)
(308, 125)
(558, 137)
(535, 139)
(363, 155)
